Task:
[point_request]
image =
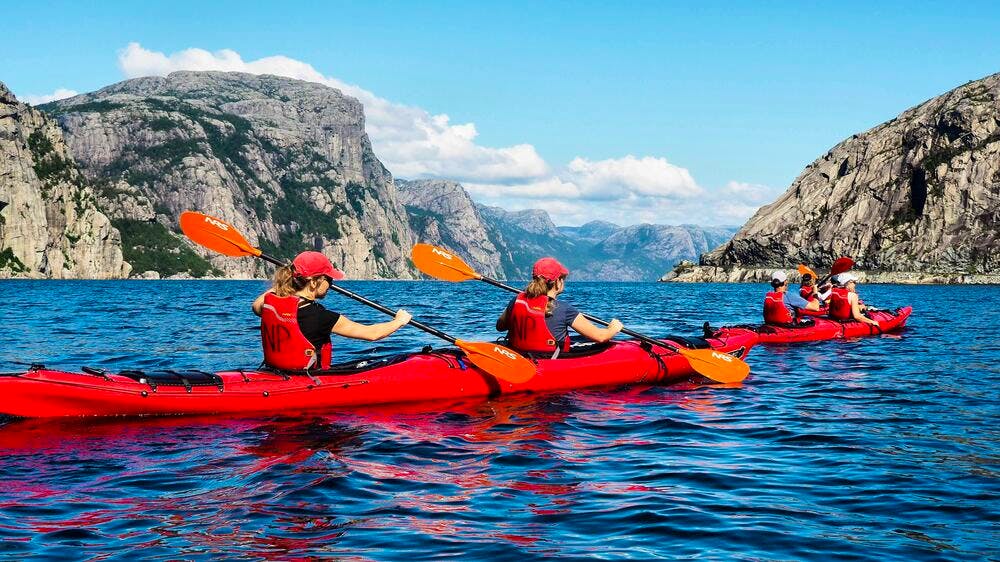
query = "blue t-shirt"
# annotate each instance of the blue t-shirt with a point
(563, 315)
(795, 300)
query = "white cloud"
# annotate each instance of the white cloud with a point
(411, 142)
(59, 94)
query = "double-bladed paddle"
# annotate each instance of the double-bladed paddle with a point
(497, 360)
(442, 264)
(839, 266)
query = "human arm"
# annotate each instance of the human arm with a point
(857, 311)
(587, 329)
(502, 321)
(258, 303)
(791, 299)
(824, 296)
(370, 332)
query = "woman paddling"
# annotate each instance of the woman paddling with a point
(782, 308)
(810, 292)
(844, 301)
(535, 321)
(294, 328)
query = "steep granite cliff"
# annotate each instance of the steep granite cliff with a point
(914, 199)
(442, 213)
(50, 225)
(287, 162)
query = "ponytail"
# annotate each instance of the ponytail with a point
(541, 286)
(286, 283)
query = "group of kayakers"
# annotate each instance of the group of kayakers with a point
(295, 329)
(838, 301)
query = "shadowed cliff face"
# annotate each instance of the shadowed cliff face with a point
(287, 162)
(920, 193)
(50, 225)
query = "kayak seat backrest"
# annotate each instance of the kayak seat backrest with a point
(577, 348)
(187, 378)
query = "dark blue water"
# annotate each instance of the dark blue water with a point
(875, 449)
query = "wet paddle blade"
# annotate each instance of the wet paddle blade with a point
(441, 264)
(499, 361)
(216, 234)
(803, 270)
(716, 365)
(841, 265)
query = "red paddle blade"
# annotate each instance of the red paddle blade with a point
(841, 265)
(499, 361)
(441, 264)
(216, 234)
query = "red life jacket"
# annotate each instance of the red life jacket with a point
(285, 346)
(808, 293)
(527, 328)
(840, 307)
(775, 311)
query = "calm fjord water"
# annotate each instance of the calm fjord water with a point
(874, 449)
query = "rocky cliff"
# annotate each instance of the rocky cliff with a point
(287, 162)
(914, 199)
(441, 212)
(50, 225)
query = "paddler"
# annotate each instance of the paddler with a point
(844, 301)
(782, 307)
(295, 329)
(809, 291)
(535, 321)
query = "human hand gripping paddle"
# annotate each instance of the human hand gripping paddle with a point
(442, 264)
(497, 360)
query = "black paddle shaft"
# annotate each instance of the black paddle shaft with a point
(593, 319)
(375, 305)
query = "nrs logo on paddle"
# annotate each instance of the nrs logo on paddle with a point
(444, 255)
(505, 352)
(724, 356)
(217, 223)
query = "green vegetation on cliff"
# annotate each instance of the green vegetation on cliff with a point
(149, 246)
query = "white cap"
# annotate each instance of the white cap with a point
(779, 276)
(844, 278)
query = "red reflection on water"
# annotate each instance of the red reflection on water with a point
(235, 508)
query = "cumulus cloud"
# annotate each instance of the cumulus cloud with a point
(412, 142)
(59, 94)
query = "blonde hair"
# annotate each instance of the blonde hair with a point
(286, 283)
(541, 286)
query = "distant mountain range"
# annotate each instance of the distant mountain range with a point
(99, 191)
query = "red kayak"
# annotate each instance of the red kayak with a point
(822, 328)
(430, 375)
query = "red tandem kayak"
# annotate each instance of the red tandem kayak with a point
(428, 375)
(823, 328)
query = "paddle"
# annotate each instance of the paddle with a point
(442, 264)
(839, 266)
(497, 360)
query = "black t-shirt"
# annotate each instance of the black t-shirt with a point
(315, 321)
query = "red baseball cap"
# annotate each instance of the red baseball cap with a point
(549, 268)
(312, 264)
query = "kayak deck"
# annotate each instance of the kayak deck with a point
(424, 376)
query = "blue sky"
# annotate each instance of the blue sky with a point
(716, 103)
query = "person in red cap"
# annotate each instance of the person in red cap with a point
(295, 329)
(536, 322)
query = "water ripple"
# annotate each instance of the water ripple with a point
(868, 449)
